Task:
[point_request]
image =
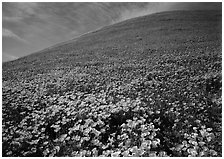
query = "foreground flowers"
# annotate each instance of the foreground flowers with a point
(172, 110)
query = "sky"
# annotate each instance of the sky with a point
(28, 27)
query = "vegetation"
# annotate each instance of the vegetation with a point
(149, 86)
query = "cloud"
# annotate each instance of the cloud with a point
(18, 9)
(141, 9)
(9, 34)
(196, 6)
(27, 8)
(44, 24)
(8, 57)
(11, 19)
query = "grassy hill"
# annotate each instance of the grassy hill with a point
(148, 86)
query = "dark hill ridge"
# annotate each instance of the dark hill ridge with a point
(136, 38)
(148, 86)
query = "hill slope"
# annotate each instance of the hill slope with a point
(139, 37)
(156, 79)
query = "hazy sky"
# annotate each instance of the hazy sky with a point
(29, 27)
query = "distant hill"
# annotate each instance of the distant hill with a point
(148, 86)
(138, 38)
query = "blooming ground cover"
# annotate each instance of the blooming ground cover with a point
(172, 110)
(161, 102)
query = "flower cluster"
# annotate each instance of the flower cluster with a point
(169, 105)
(198, 143)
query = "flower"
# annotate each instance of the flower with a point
(116, 154)
(179, 147)
(192, 152)
(125, 153)
(209, 129)
(152, 154)
(62, 137)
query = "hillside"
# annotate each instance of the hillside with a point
(148, 86)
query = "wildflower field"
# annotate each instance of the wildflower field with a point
(146, 87)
